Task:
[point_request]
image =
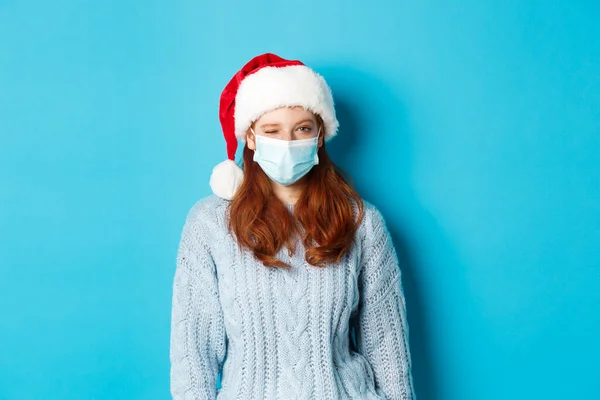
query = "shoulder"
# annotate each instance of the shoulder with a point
(209, 210)
(372, 215)
(373, 223)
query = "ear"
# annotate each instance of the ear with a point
(250, 140)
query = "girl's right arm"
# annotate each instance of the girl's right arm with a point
(198, 339)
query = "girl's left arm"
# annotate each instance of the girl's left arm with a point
(381, 327)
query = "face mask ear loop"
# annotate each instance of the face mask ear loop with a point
(254, 135)
(316, 159)
(254, 151)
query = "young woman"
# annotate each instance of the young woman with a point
(287, 282)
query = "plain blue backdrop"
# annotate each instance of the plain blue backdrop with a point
(474, 126)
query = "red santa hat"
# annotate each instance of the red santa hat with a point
(265, 83)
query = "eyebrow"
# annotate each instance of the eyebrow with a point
(268, 125)
(274, 125)
(305, 120)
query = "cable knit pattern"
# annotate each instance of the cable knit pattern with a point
(285, 334)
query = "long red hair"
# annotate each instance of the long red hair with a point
(327, 213)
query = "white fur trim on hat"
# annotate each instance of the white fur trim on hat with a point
(225, 179)
(273, 87)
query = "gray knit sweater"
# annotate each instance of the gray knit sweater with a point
(285, 334)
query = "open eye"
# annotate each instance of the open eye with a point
(305, 128)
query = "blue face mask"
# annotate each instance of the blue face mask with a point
(286, 161)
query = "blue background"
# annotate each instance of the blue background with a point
(474, 126)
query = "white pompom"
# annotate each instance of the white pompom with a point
(225, 179)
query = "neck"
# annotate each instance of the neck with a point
(287, 194)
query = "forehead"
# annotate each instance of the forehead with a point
(286, 115)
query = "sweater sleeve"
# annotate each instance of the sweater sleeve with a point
(381, 328)
(198, 339)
